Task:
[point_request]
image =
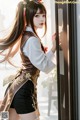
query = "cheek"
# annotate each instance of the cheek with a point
(44, 19)
(36, 22)
(35, 19)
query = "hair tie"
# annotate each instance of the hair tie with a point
(38, 1)
(25, 2)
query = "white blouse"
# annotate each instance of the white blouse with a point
(32, 49)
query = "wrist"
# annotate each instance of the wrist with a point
(53, 50)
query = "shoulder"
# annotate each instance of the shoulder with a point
(32, 43)
(33, 39)
(28, 37)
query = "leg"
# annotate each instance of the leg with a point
(29, 116)
(13, 115)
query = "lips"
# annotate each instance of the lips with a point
(41, 23)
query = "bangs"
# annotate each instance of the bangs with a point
(42, 10)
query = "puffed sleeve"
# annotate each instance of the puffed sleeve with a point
(32, 49)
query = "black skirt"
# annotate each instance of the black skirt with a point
(23, 101)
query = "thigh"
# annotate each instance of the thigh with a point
(29, 116)
(13, 115)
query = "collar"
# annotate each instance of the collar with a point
(29, 29)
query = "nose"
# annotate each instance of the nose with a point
(42, 18)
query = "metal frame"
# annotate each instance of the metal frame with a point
(73, 62)
(73, 73)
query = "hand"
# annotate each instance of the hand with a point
(53, 37)
(54, 47)
(53, 42)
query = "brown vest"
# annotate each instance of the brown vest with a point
(26, 63)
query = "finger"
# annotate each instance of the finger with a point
(54, 36)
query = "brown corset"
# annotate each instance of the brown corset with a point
(26, 64)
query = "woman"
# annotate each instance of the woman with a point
(21, 95)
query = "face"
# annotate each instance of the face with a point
(39, 19)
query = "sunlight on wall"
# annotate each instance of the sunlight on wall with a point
(7, 14)
(8, 8)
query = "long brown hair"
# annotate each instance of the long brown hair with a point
(11, 43)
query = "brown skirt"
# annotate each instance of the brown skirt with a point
(20, 94)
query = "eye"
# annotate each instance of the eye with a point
(44, 15)
(36, 15)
